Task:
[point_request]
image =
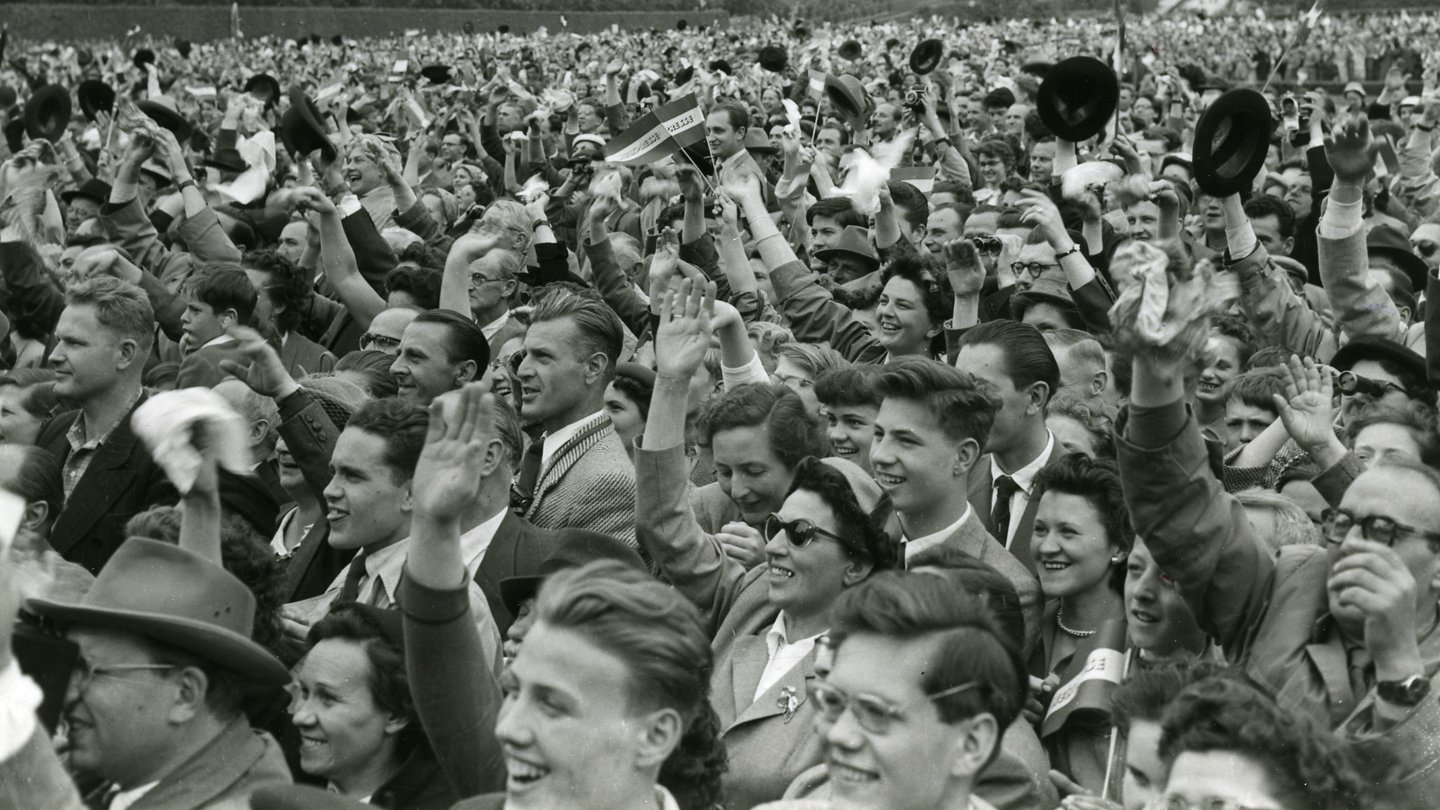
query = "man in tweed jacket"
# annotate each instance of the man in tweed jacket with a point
(582, 478)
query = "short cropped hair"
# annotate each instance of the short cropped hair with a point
(964, 407)
(793, 434)
(402, 426)
(811, 358)
(1266, 205)
(119, 306)
(1416, 418)
(972, 649)
(224, 289)
(598, 328)
(1255, 388)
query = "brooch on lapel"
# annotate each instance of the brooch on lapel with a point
(788, 702)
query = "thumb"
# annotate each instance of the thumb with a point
(1065, 785)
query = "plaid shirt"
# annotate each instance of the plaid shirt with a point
(82, 450)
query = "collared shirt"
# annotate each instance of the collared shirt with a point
(784, 654)
(218, 340)
(554, 441)
(929, 541)
(381, 582)
(475, 542)
(82, 448)
(1024, 479)
(496, 325)
(125, 798)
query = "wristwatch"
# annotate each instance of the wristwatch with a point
(1407, 693)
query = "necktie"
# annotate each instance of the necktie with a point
(523, 493)
(350, 590)
(1005, 487)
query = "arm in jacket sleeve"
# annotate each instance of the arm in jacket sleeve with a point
(1199, 535)
(310, 436)
(1361, 306)
(373, 256)
(615, 288)
(30, 294)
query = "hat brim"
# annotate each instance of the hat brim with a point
(223, 647)
(1078, 98)
(844, 98)
(926, 56)
(1357, 350)
(301, 130)
(1231, 141)
(50, 104)
(835, 252)
(1412, 265)
(168, 119)
(95, 97)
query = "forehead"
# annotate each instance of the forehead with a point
(1144, 208)
(563, 660)
(740, 445)
(888, 668)
(897, 413)
(78, 318)
(99, 645)
(428, 337)
(358, 448)
(1040, 251)
(805, 504)
(337, 662)
(986, 361)
(1235, 408)
(902, 288)
(1397, 493)
(552, 334)
(1386, 434)
(294, 230)
(945, 218)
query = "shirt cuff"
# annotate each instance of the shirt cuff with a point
(752, 372)
(348, 205)
(1341, 219)
(1240, 239)
(19, 698)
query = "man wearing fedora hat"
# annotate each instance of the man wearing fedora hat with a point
(153, 708)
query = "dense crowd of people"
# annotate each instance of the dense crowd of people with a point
(958, 423)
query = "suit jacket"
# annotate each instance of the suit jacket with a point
(981, 491)
(972, 540)
(517, 550)
(303, 356)
(310, 436)
(1269, 611)
(121, 481)
(201, 368)
(588, 483)
(221, 775)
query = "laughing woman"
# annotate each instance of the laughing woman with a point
(1080, 541)
(350, 701)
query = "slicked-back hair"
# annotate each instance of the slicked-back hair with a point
(598, 328)
(812, 358)
(849, 385)
(792, 432)
(119, 305)
(964, 407)
(402, 426)
(971, 648)
(912, 199)
(1027, 356)
(736, 113)
(662, 641)
(464, 339)
(1097, 481)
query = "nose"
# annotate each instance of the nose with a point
(397, 367)
(511, 727)
(333, 492)
(1143, 590)
(845, 733)
(835, 434)
(880, 455)
(778, 546)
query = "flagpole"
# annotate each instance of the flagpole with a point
(1302, 32)
(1112, 758)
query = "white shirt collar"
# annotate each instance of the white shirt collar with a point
(126, 798)
(1025, 476)
(474, 543)
(496, 325)
(554, 441)
(929, 541)
(216, 341)
(387, 565)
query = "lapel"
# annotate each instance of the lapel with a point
(790, 691)
(568, 453)
(108, 476)
(969, 540)
(500, 560)
(209, 773)
(1020, 547)
(300, 560)
(747, 663)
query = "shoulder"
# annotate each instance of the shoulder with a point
(53, 431)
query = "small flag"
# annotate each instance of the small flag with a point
(684, 120)
(817, 84)
(645, 141)
(1087, 684)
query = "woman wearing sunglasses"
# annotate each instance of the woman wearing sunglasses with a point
(821, 540)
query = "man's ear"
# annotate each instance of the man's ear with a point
(595, 366)
(190, 698)
(129, 354)
(1099, 381)
(967, 453)
(465, 372)
(1038, 394)
(35, 514)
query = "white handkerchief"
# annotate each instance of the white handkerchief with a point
(180, 428)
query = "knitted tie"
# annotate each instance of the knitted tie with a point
(1005, 487)
(350, 590)
(522, 494)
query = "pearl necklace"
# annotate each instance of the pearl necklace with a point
(1061, 624)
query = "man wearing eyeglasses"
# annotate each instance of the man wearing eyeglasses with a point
(913, 703)
(386, 330)
(1345, 633)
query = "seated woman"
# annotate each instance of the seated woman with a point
(359, 731)
(1079, 543)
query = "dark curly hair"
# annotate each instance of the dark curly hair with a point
(864, 530)
(1305, 765)
(420, 283)
(934, 292)
(662, 640)
(1097, 481)
(793, 433)
(378, 633)
(289, 287)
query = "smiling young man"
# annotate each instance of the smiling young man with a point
(933, 422)
(920, 688)
(439, 351)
